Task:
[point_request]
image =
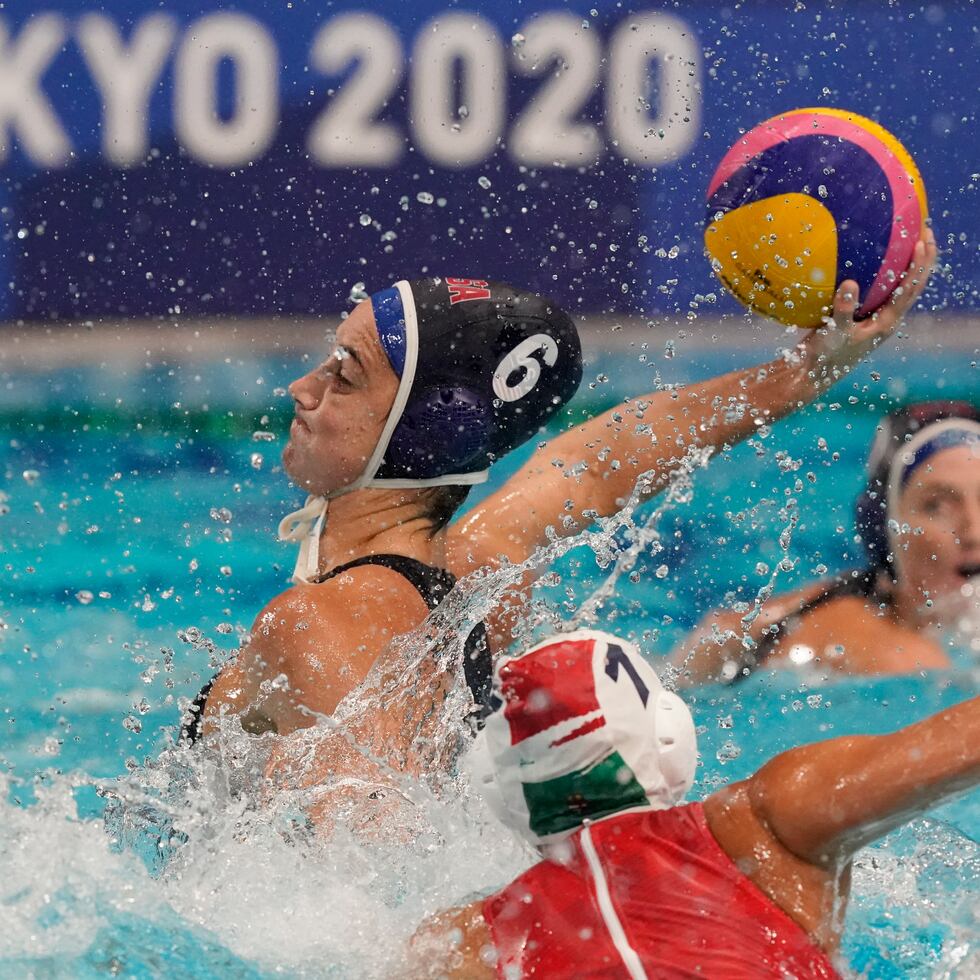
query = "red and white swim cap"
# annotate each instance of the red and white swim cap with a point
(584, 729)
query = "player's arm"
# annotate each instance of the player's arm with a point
(592, 470)
(453, 944)
(823, 802)
(724, 643)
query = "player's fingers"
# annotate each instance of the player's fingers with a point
(916, 276)
(845, 302)
(931, 250)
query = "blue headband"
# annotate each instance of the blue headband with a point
(389, 315)
(947, 438)
(945, 434)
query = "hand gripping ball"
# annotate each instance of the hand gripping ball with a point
(806, 200)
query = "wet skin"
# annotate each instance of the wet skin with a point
(313, 644)
(935, 560)
(792, 828)
(340, 408)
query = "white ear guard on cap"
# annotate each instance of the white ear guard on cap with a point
(585, 729)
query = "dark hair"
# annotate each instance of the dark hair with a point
(894, 431)
(442, 502)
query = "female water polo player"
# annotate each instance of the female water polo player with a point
(589, 758)
(919, 521)
(430, 382)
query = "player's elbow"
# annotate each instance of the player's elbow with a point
(805, 799)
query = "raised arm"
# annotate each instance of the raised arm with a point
(592, 470)
(823, 802)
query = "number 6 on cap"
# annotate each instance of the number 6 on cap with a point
(520, 357)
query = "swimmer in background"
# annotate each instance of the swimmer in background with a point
(589, 758)
(371, 436)
(919, 521)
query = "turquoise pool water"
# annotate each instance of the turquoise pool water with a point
(137, 541)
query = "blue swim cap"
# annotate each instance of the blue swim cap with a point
(482, 366)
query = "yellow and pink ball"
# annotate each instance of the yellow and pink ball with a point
(807, 200)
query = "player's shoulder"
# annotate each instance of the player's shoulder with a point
(368, 592)
(863, 628)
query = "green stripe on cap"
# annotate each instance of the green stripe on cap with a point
(560, 804)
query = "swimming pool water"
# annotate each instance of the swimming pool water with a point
(137, 543)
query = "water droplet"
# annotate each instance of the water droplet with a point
(365, 220)
(256, 459)
(31, 477)
(424, 197)
(483, 181)
(84, 597)
(357, 293)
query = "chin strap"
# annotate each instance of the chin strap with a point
(305, 526)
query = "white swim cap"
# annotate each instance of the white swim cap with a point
(583, 728)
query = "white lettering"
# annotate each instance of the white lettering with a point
(643, 132)
(125, 77)
(24, 108)
(520, 357)
(457, 53)
(546, 132)
(347, 133)
(252, 126)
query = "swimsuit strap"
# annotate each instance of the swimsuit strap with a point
(849, 585)
(433, 585)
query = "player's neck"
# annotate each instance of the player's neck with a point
(911, 611)
(372, 522)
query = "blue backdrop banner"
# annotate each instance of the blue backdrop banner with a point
(183, 159)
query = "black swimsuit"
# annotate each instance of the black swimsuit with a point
(433, 585)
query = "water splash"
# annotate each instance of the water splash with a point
(211, 863)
